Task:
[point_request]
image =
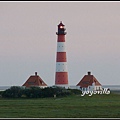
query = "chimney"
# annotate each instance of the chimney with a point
(89, 73)
(35, 73)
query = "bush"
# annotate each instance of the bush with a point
(32, 92)
(13, 92)
(76, 91)
(37, 92)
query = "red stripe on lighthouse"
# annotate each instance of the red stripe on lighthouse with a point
(61, 78)
(61, 57)
(61, 38)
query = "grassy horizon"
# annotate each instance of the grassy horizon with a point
(73, 106)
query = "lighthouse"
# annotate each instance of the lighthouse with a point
(61, 75)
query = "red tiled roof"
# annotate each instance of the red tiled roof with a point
(87, 80)
(34, 81)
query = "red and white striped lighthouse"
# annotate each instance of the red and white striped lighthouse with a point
(61, 76)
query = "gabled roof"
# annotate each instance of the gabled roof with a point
(88, 80)
(34, 80)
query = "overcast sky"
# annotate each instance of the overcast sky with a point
(28, 41)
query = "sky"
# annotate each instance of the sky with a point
(28, 41)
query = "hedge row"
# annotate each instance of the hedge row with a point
(37, 92)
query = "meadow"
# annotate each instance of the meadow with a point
(72, 106)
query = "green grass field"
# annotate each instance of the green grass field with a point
(75, 106)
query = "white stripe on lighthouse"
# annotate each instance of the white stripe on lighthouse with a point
(61, 47)
(61, 66)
